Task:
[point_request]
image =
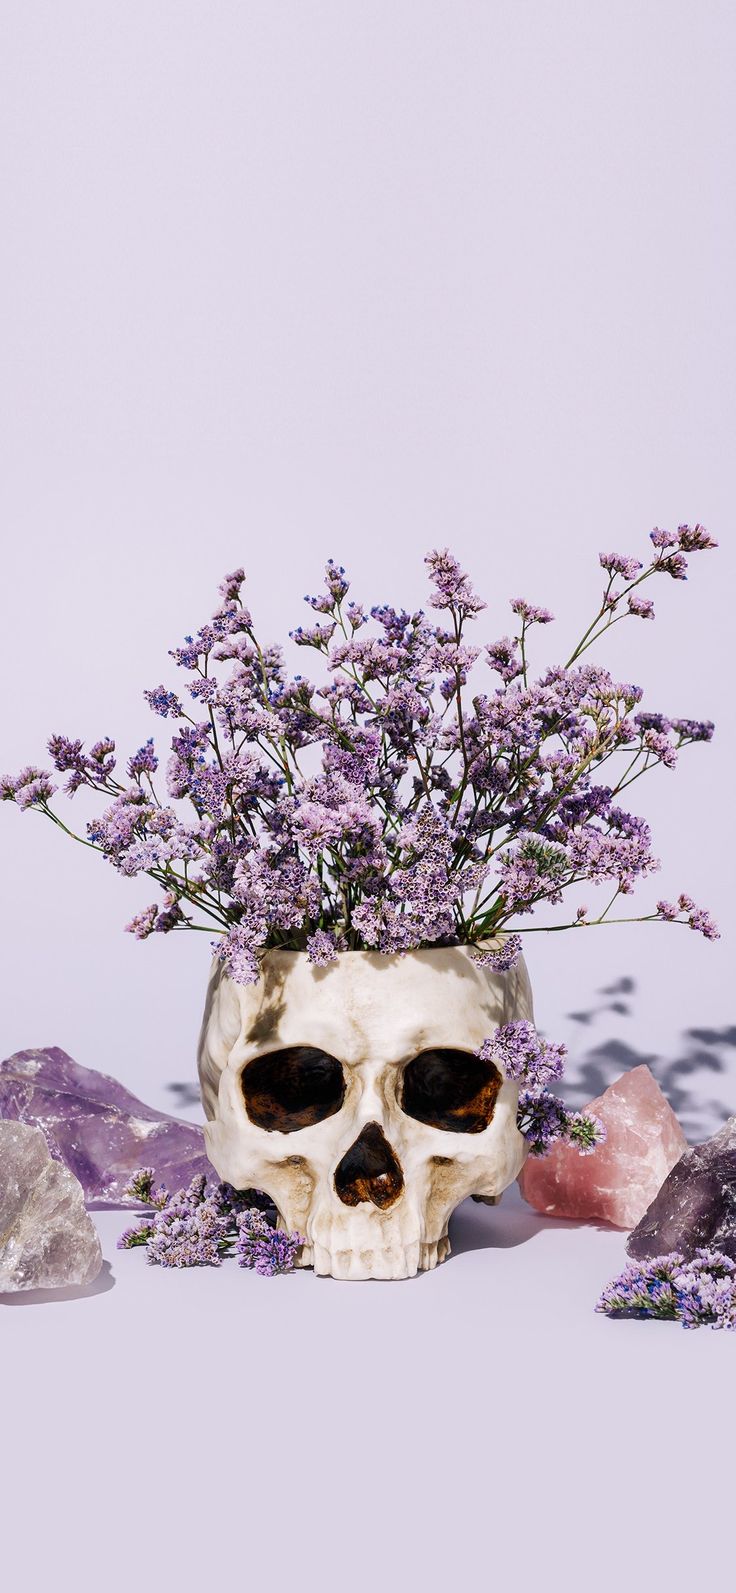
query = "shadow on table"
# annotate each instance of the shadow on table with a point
(479, 1227)
(103, 1283)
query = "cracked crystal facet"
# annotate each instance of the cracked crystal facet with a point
(617, 1183)
(47, 1239)
(94, 1125)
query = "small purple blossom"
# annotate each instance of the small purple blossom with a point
(694, 539)
(230, 585)
(530, 613)
(544, 1118)
(504, 958)
(144, 761)
(144, 923)
(685, 911)
(31, 788)
(642, 607)
(322, 948)
(619, 564)
(675, 564)
(164, 702)
(266, 1250)
(693, 729)
(521, 1053)
(452, 588)
(313, 635)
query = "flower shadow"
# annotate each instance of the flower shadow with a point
(102, 1284)
(686, 1079)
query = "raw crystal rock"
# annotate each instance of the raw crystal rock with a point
(47, 1240)
(696, 1206)
(94, 1125)
(617, 1182)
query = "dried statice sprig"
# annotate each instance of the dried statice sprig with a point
(264, 1249)
(203, 1225)
(390, 803)
(543, 1118)
(698, 1292)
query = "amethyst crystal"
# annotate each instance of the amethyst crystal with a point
(94, 1125)
(696, 1205)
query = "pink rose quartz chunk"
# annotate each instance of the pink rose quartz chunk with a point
(620, 1179)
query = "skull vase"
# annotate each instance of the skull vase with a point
(352, 1095)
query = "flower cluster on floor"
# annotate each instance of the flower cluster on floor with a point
(697, 1293)
(203, 1225)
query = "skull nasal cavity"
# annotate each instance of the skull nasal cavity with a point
(369, 1171)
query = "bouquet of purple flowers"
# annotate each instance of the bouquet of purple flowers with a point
(388, 804)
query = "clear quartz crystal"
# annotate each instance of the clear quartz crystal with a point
(47, 1239)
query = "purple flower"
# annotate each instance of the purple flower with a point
(661, 747)
(694, 539)
(322, 948)
(144, 923)
(230, 585)
(144, 761)
(675, 564)
(530, 614)
(693, 729)
(336, 588)
(502, 960)
(522, 1054)
(164, 702)
(266, 1250)
(313, 635)
(504, 657)
(29, 789)
(544, 1119)
(643, 607)
(452, 588)
(619, 564)
(687, 912)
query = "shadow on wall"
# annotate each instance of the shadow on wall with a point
(687, 1080)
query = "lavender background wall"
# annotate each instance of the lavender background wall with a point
(288, 281)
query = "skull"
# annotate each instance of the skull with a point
(353, 1097)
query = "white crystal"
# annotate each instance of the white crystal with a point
(47, 1239)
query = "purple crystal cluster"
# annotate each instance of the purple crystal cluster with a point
(696, 1205)
(201, 1227)
(388, 803)
(697, 1292)
(96, 1127)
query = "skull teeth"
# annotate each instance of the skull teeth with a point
(392, 1262)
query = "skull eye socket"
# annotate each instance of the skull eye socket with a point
(292, 1089)
(453, 1090)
